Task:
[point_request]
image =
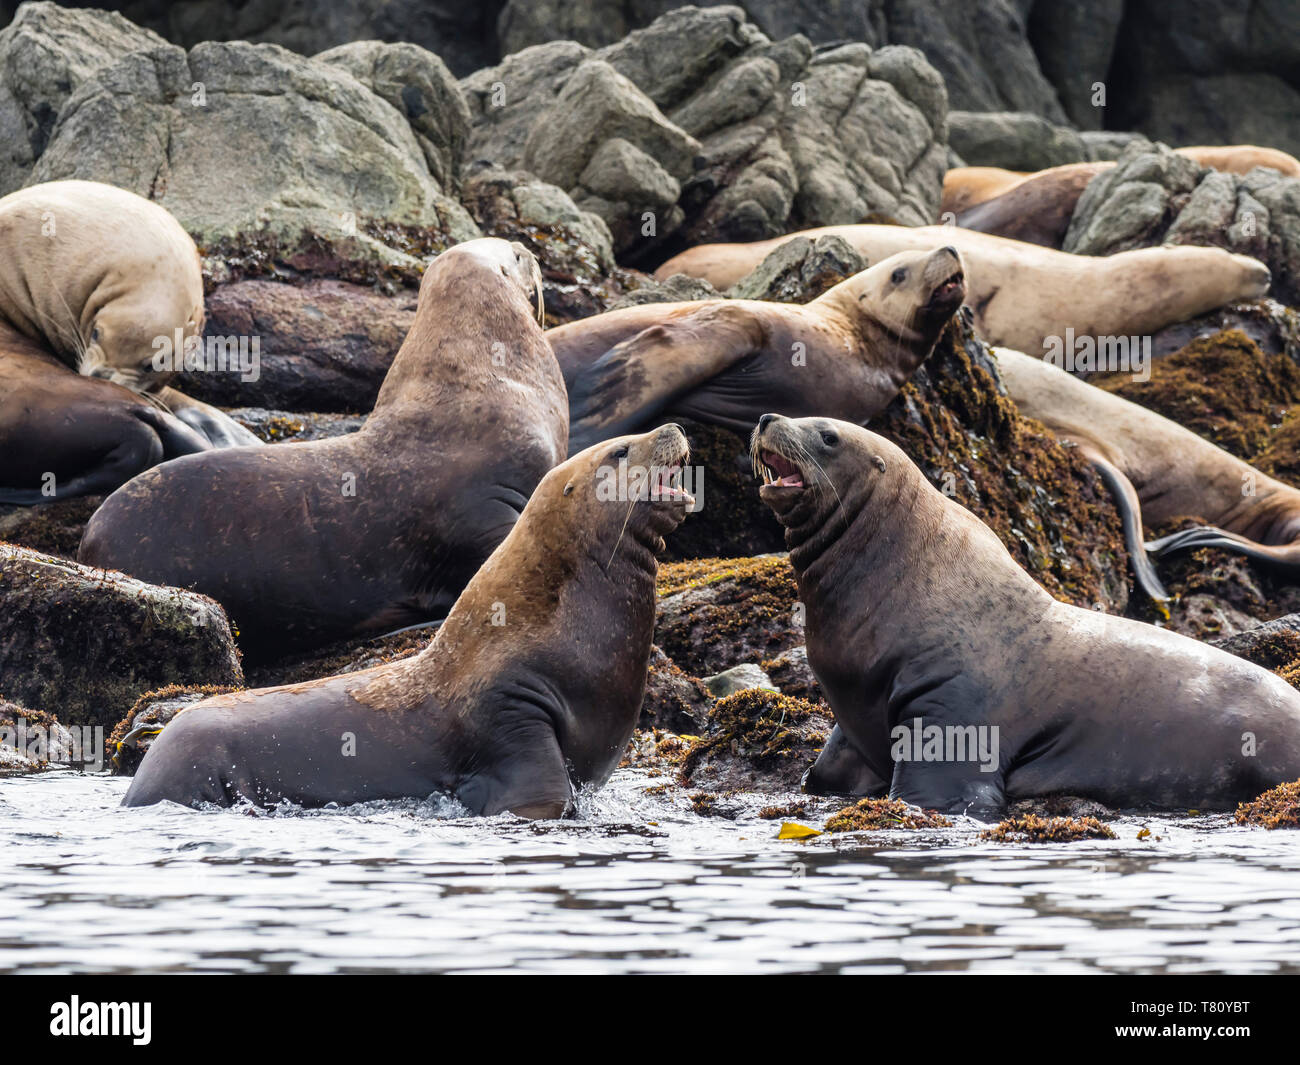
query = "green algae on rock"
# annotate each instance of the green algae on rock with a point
(869, 815)
(1278, 807)
(1035, 829)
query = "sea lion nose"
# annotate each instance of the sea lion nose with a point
(950, 250)
(765, 421)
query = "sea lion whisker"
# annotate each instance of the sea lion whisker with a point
(626, 518)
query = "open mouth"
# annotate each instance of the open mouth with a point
(779, 471)
(666, 481)
(953, 286)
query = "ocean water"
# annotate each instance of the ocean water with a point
(637, 883)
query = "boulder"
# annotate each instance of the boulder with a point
(738, 679)
(1154, 196)
(33, 740)
(800, 270)
(792, 675)
(46, 53)
(1015, 140)
(51, 528)
(674, 700)
(174, 126)
(699, 127)
(143, 724)
(323, 346)
(90, 641)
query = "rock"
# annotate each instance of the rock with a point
(418, 84)
(573, 246)
(1034, 829)
(1066, 806)
(1074, 45)
(792, 675)
(50, 528)
(1271, 327)
(1154, 196)
(1208, 72)
(136, 732)
(46, 53)
(1108, 144)
(1014, 140)
(800, 270)
(281, 426)
(324, 346)
(348, 656)
(674, 700)
(167, 124)
(737, 679)
(90, 641)
(756, 740)
(1278, 807)
(760, 137)
(32, 740)
(680, 288)
(463, 33)
(1271, 644)
(717, 613)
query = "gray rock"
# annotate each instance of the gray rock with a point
(418, 84)
(238, 139)
(282, 426)
(680, 288)
(738, 679)
(31, 741)
(1074, 44)
(768, 137)
(793, 676)
(90, 642)
(1107, 144)
(800, 270)
(1014, 140)
(1253, 641)
(674, 700)
(46, 53)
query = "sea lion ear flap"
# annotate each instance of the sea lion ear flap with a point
(878, 462)
(568, 488)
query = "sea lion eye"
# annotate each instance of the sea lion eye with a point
(899, 275)
(94, 335)
(830, 439)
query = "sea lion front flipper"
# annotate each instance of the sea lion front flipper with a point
(215, 426)
(528, 779)
(1130, 515)
(635, 381)
(841, 770)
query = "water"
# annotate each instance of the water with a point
(638, 884)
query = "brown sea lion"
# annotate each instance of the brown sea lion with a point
(91, 278)
(724, 362)
(530, 689)
(1031, 293)
(1036, 210)
(962, 685)
(305, 543)
(1157, 470)
(965, 187)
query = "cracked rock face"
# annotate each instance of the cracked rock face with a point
(701, 128)
(235, 138)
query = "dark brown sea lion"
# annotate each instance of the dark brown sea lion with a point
(724, 362)
(531, 688)
(91, 278)
(1157, 470)
(1037, 210)
(963, 685)
(308, 543)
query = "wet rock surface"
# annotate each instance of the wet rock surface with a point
(88, 642)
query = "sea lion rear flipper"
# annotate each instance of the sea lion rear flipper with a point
(635, 381)
(1130, 514)
(951, 787)
(1284, 556)
(215, 426)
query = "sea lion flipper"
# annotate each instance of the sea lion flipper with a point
(215, 426)
(841, 770)
(1130, 514)
(635, 381)
(1285, 556)
(528, 779)
(951, 787)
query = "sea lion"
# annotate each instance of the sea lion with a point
(1158, 470)
(1031, 293)
(846, 353)
(1036, 210)
(919, 619)
(305, 543)
(965, 187)
(91, 277)
(531, 688)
